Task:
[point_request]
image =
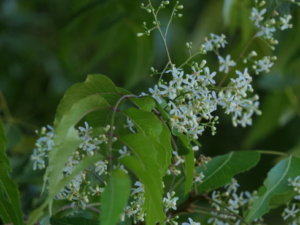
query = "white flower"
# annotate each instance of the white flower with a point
(97, 190)
(295, 183)
(285, 22)
(214, 42)
(101, 167)
(130, 125)
(88, 142)
(263, 65)
(123, 151)
(168, 90)
(138, 189)
(170, 202)
(191, 222)
(43, 145)
(226, 63)
(257, 16)
(236, 101)
(38, 159)
(290, 212)
(155, 93)
(266, 31)
(199, 178)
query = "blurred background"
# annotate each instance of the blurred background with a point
(46, 46)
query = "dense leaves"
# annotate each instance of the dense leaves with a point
(46, 48)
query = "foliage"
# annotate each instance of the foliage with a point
(115, 157)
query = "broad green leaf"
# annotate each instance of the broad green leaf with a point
(114, 198)
(146, 167)
(146, 103)
(165, 148)
(276, 190)
(189, 167)
(94, 84)
(221, 169)
(146, 122)
(10, 205)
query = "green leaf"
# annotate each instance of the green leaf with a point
(146, 122)
(276, 190)
(94, 84)
(146, 167)
(189, 168)
(185, 148)
(10, 204)
(221, 169)
(114, 198)
(146, 103)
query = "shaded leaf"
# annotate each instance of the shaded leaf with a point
(221, 169)
(276, 190)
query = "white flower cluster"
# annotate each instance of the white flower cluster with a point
(237, 101)
(291, 212)
(229, 205)
(86, 184)
(192, 99)
(295, 183)
(267, 23)
(42, 146)
(135, 208)
(175, 168)
(91, 143)
(189, 100)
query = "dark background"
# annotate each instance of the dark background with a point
(46, 46)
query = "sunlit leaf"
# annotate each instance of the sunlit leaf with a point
(114, 198)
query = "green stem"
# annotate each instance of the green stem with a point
(112, 122)
(160, 31)
(267, 152)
